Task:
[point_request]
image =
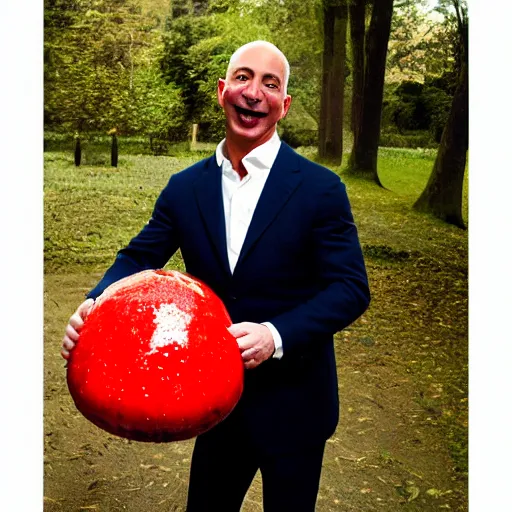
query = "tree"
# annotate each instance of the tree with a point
(79, 63)
(94, 53)
(330, 140)
(363, 159)
(442, 196)
(158, 109)
(421, 45)
(357, 10)
(117, 64)
(196, 53)
(198, 48)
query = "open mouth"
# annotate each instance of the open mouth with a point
(249, 113)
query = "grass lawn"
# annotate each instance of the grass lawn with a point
(402, 366)
(92, 211)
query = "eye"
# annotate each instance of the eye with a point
(241, 77)
(271, 82)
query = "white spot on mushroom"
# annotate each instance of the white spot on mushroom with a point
(171, 327)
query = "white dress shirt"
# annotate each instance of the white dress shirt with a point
(240, 197)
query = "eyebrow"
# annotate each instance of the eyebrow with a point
(251, 72)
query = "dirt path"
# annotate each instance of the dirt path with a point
(398, 383)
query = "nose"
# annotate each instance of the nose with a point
(252, 92)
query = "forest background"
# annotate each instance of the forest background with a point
(151, 128)
(387, 73)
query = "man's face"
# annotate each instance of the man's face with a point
(252, 96)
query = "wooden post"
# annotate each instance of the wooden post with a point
(114, 151)
(78, 150)
(195, 129)
(113, 147)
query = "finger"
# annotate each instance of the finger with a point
(249, 365)
(71, 333)
(68, 343)
(238, 330)
(249, 354)
(85, 308)
(246, 342)
(76, 321)
(78, 317)
(64, 353)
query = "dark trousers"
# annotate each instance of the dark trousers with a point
(222, 471)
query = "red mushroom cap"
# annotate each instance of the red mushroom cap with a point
(155, 361)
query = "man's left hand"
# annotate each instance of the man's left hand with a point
(255, 342)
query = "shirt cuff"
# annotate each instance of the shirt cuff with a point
(278, 342)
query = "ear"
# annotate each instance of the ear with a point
(286, 105)
(221, 84)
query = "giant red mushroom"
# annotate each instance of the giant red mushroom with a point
(155, 360)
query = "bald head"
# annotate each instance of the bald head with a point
(264, 45)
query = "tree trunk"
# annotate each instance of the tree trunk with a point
(363, 159)
(442, 196)
(357, 16)
(330, 145)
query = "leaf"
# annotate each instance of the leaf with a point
(148, 466)
(93, 485)
(367, 341)
(47, 499)
(408, 490)
(413, 491)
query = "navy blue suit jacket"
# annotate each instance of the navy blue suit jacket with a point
(300, 267)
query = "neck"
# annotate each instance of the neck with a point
(237, 148)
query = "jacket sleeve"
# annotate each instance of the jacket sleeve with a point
(150, 249)
(339, 266)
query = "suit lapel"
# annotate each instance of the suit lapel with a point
(282, 181)
(208, 191)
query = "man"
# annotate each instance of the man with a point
(273, 235)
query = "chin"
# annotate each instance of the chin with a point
(251, 134)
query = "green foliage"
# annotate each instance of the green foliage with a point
(182, 33)
(98, 55)
(423, 42)
(414, 106)
(197, 51)
(425, 55)
(447, 82)
(408, 110)
(299, 128)
(196, 54)
(95, 147)
(159, 110)
(116, 64)
(108, 64)
(437, 105)
(416, 139)
(297, 137)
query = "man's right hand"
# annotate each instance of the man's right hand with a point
(74, 326)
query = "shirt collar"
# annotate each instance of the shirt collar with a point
(261, 157)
